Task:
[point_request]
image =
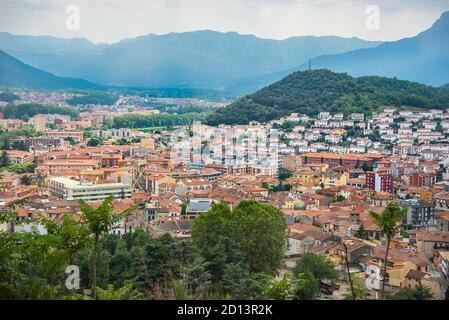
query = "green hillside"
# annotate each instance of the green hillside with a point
(313, 91)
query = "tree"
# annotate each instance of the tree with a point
(4, 159)
(419, 293)
(94, 142)
(361, 233)
(71, 141)
(127, 292)
(72, 235)
(318, 265)
(358, 290)
(259, 231)
(389, 223)
(366, 167)
(99, 221)
(25, 180)
(19, 145)
(306, 287)
(280, 289)
(285, 176)
(183, 209)
(339, 198)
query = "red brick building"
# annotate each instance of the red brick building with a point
(334, 160)
(110, 160)
(380, 182)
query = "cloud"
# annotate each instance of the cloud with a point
(112, 20)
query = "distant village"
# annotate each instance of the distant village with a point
(325, 173)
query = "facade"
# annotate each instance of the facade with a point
(420, 214)
(76, 135)
(40, 122)
(380, 182)
(110, 160)
(334, 160)
(58, 166)
(69, 189)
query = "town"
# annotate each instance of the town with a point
(328, 174)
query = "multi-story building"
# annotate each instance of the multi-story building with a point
(54, 167)
(69, 189)
(39, 122)
(333, 160)
(379, 181)
(76, 135)
(420, 214)
(110, 160)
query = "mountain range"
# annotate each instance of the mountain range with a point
(228, 62)
(423, 58)
(14, 73)
(199, 59)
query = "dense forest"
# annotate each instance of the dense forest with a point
(93, 98)
(156, 120)
(227, 256)
(28, 110)
(311, 92)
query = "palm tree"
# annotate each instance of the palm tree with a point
(99, 221)
(389, 222)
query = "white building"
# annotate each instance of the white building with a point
(69, 189)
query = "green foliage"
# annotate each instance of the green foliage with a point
(4, 160)
(32, 264)
(19, 145)
(339, 198)
(313, 91)
(419, 293)
(95, 142)
(71, 141)
(94, 98)
(367, 167)
(318, 265)
(361, 233)
(8, 96)
(389, 222)
(280, 289)
(25, 180)
(18, 167)
(136, 266)
(127, 292)
(26, 131)
(258, 230)
(360, 291)
(12, 111)
(285, 176)
(156, 120)
(121, 142)
(306, 287)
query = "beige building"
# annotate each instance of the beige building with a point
(39, 122)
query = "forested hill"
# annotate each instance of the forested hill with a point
(311, 92)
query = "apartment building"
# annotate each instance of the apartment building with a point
(69, 189)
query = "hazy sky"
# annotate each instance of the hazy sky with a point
(113, 20)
